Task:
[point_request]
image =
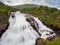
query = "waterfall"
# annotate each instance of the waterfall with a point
(22, 32)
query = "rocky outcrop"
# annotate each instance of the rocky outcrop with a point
(40, 41)
(3, 23)
(51, 38)
(33, 23)
(3, 28)
(54, 28)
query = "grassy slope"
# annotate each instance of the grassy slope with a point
(56, 41)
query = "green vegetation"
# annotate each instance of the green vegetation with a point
(3, 14)
(56, 41)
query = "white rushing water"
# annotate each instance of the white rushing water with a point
(20, 32)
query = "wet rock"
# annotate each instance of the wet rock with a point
(3, 28)
(33, 23)
(51, 33)
(54, 28)
(40, 41)
(50, 38)
(12, 14)
(3, 23)
(47, 34)
(54, 36)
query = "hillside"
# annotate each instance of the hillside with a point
(25, 5)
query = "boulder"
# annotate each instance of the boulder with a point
(40, 41)
(51, 32)
(33, 23)
(31, 20)
(3, 28)
(50, 38)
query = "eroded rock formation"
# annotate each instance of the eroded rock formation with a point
(33, 23)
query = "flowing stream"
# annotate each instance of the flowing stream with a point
(20, 31)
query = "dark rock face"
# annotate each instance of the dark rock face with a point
(3, 28)
(50, 38)
(33, 23)
(40, 41)
(51, 33)
(3, 23)
(13, 14)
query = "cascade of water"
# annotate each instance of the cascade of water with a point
(20, 32)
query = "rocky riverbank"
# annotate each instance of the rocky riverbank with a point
(54, 28)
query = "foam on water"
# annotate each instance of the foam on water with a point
(20, 32)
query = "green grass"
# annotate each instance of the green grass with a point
(56, 41)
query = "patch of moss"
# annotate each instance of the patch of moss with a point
(56, 41)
